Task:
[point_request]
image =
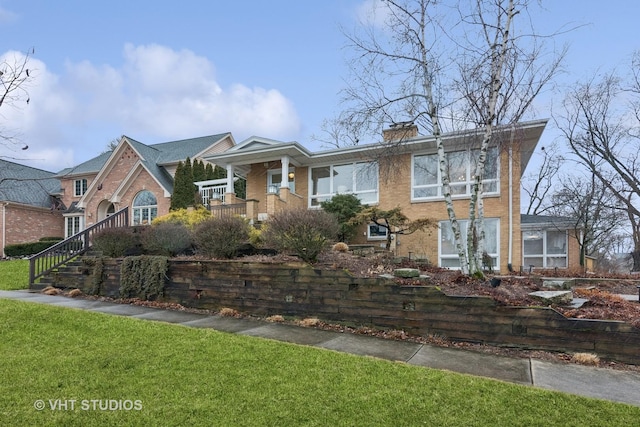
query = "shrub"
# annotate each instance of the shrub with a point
(345, 207)
(167, 239)
(115, 242)
(26, 249)
(304, 232)
(51, 239)
(340, 247)
(143, 276)
(187, 217)
(220, 237)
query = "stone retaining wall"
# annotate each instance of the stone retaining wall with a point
(296, 289)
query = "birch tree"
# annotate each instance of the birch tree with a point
(449, 65)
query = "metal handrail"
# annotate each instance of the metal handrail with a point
(64, 251)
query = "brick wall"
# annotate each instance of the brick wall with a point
(29, 224)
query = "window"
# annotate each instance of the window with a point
(274, 180)
(427, 180)
(145, 208)
(448, 254)
(377, 232)
(80, 187)
(73, 225)
(544, 248)
(360, 179)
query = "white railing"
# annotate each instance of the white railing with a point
(214, 192)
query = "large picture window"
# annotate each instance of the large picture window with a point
(427, 181)
(448, 254)
(545, 248)
(360, 179)
(145, 208)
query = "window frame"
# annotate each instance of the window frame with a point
(495, 255)
(80, 187)
(73, 224)
(138, 212)
(371, 236)
(546, 255)
(466, 183)
(274, 187)
(314, 199)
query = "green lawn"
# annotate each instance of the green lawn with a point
(183, 376)
(14, 274)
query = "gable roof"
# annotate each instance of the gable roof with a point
(26, 185)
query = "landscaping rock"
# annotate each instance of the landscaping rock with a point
(558, 284)
(406, 273)
(553, 297)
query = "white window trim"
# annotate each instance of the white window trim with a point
(370, 237)
(438, 185)
(83, 187)
(274, 187)
(72, 218)
(545, 255)
(332, 191)
(463, 223)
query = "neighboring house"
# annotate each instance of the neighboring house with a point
(133, 174)
(285, 175)
(29, 206)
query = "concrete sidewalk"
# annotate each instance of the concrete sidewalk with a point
(607, 384)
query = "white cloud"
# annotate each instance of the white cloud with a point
(7, 16)
(372, 12)
(157, 94)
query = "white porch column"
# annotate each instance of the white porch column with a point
(230, 173)
(285, 172)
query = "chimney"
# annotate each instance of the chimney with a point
(400, 131)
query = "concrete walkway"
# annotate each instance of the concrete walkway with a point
(607, 384)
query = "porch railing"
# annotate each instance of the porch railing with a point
(64, 251)
(229, 210)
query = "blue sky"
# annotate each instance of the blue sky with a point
(158, 71)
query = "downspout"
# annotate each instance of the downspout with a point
(510, 250)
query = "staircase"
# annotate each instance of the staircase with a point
(64, 252)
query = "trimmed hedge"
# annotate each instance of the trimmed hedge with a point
(27, 249)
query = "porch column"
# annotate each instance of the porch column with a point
(285, 172)
(230, 173)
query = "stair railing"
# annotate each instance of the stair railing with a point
(64, 251)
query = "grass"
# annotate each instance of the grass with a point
(188, 376)
(14, 275)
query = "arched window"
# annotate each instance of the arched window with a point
(145, 208)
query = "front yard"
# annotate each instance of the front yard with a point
(68, 367)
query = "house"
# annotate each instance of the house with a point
(132, 174)
(402, 171)
(29, 208)
(551, 242)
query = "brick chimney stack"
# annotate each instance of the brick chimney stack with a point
(400, 132)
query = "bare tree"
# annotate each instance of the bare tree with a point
(449, 64)
(539, 184)
(594, 211)
(601, 124)
(15, 78)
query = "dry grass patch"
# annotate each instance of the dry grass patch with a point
(74, 293)
(275, 319)
(50, 290)
(229, 312)
(309, 322)
(586, 359)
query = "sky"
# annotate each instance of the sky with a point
(160, 71)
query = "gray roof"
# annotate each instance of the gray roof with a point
(546, 221)
(26, 185)
(154, 157)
